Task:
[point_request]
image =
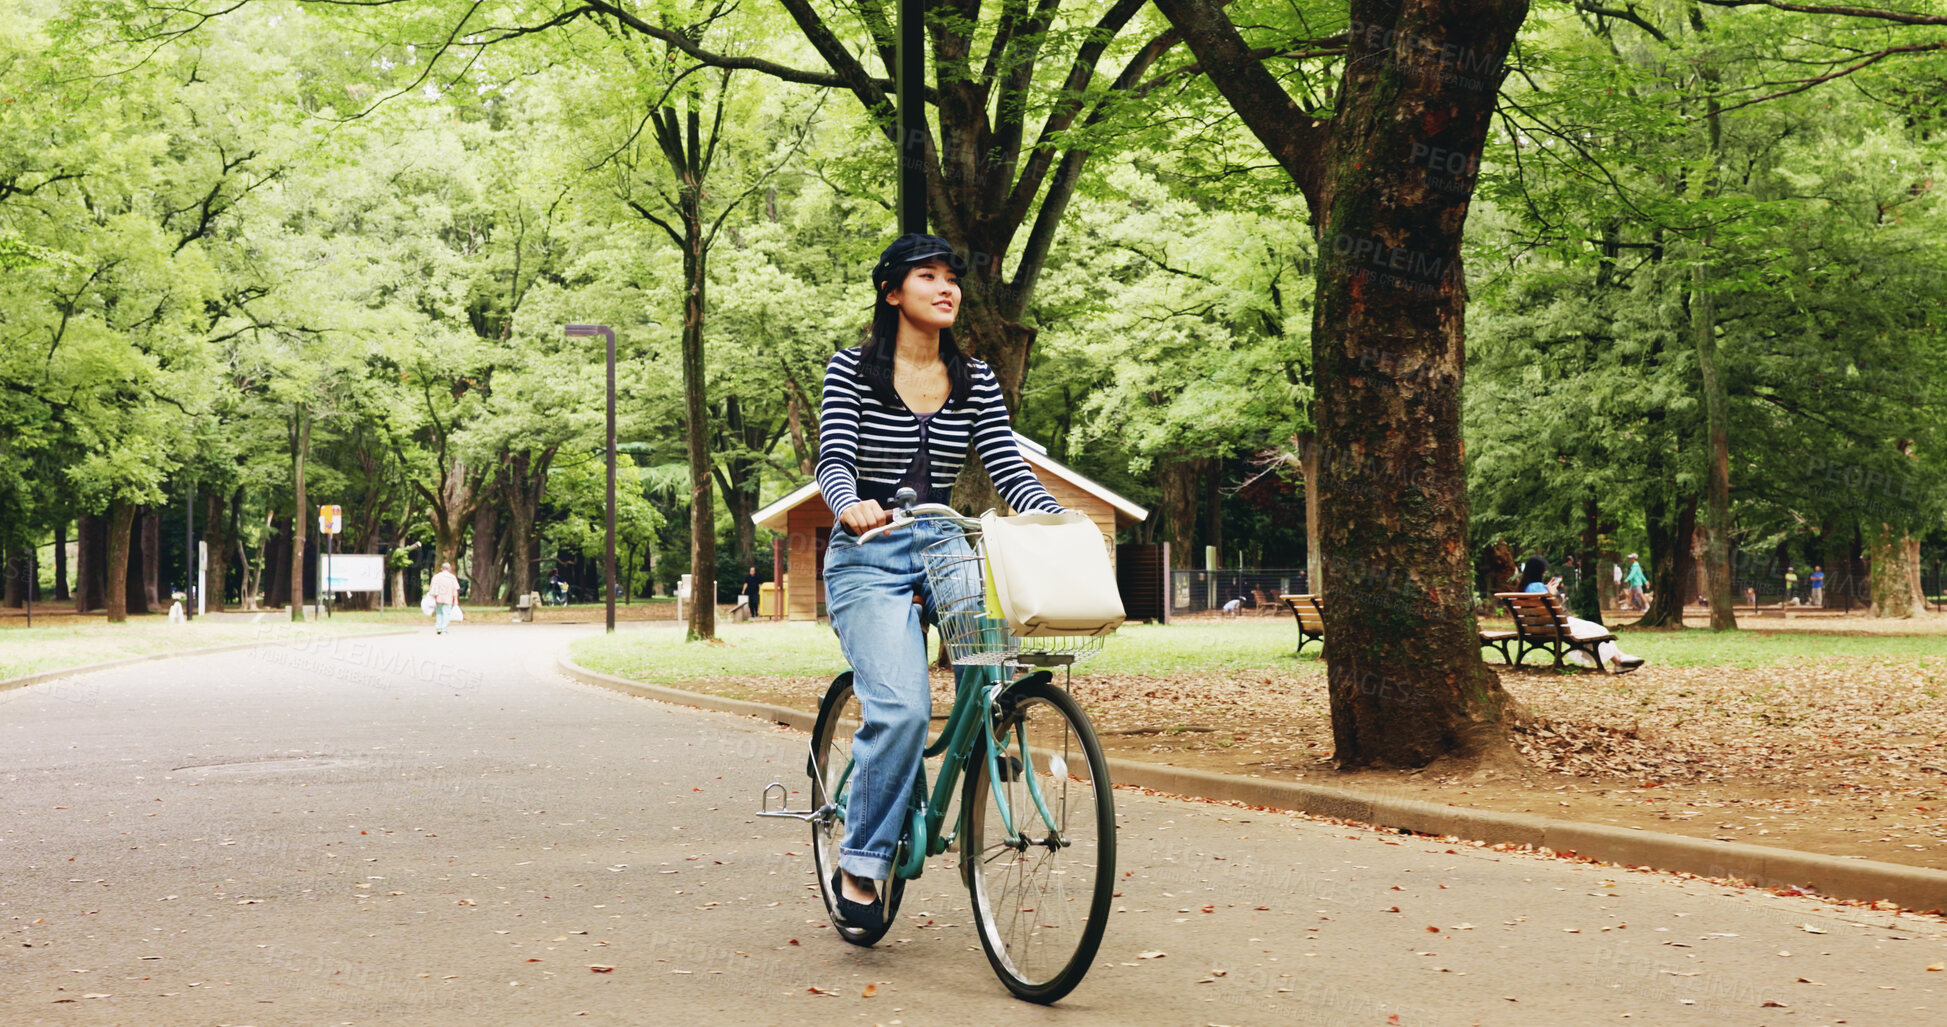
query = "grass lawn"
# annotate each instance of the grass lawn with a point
(73, 641)
(793, 650)
(1205, 647)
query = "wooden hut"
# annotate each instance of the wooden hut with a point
(807, 523)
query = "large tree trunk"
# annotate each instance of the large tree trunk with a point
(1858, 576)
(1587, 600)
(1717, 509)
(1894, 568)
(300, 433)
(13, 594)
(274, 562)
(1407, 681)
(152, 560)
(737, 476)
(696, 406)
(1388, 177)
(61, 561)
(484, 587)
(527, 477)
(219, 534)
(1670, 526)
(90, 563)
(1177, 480)
(1213, 509)
(135, 596)
(794, 421)
(1914, 568)
(121, 519)
(1314, 523)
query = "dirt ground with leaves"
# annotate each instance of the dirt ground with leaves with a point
(1839, 756)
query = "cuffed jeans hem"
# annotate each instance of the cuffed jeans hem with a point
(864, 865)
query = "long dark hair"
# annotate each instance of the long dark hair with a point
(882, 340)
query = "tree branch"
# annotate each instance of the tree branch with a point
(1903, 17)
(1295, 138)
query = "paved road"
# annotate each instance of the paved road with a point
(422, 830)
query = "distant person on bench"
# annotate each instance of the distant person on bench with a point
(1608, 652)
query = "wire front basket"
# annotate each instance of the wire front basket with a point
(957, 573)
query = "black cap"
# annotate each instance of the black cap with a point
(909, 251)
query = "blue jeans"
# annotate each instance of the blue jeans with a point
(440, 612)
(869, 593)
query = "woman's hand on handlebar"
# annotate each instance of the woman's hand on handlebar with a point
(863, 516)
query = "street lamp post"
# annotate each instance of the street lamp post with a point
(909, 85)
(189, 554)
(608, 557)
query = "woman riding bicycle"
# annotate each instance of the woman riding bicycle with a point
(900, 411)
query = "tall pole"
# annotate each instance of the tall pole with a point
(608, 556)
(189, 554)
(909, 83)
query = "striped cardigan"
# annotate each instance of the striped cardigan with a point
(865, 445)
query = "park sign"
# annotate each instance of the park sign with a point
(331, 519)
(355, 572)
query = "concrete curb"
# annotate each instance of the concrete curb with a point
(1912, 887)
(89, 668)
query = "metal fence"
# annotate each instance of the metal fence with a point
(1841, 592)
(1256, 588)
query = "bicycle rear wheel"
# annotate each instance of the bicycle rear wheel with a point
(839, 716)
(1041, 889)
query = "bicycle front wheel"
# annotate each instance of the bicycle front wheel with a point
(839, 717)
(1039, 849)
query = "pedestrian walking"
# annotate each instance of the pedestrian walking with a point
(1635, 580)
(747, 599)
(445, 591)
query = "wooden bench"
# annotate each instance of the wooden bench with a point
(1540, 623)
(1262, 601)
(1311, 618)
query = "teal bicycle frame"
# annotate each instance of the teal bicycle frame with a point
(972, 704)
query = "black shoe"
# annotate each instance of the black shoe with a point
(866, 916)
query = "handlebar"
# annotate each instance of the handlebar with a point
(905, 512)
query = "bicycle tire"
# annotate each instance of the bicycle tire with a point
(1042, 956)
(831, 747)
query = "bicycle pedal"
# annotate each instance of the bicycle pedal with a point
(783, 800)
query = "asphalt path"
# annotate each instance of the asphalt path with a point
(442, 830)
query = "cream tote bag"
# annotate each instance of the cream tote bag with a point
(1049, 574)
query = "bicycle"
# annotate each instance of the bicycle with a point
(1035, 831)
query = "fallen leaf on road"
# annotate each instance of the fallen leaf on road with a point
(600, 968)
(1774, 1005)
(870, 990)
(1150, 955)
(816, 990)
